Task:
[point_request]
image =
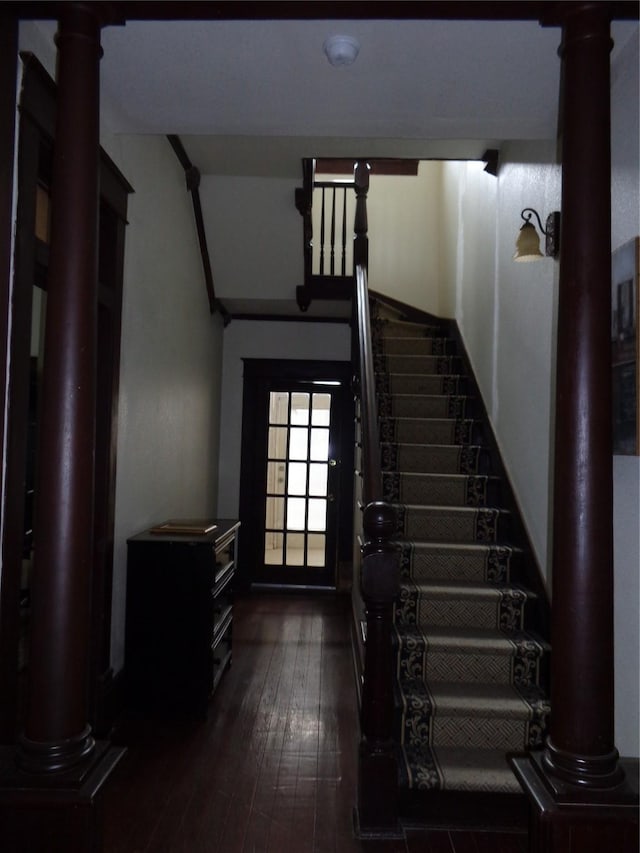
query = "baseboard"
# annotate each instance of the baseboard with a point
(464, 810)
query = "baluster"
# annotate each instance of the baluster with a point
(333, 230)
(344, 231)
(322, 235)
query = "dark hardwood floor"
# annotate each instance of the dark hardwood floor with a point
(273, 768)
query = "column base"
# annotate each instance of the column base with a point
(56, 812)
(565, 818)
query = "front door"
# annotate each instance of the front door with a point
(297, 459)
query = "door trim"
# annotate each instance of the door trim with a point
(258, 372)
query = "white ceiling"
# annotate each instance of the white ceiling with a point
(253, 97)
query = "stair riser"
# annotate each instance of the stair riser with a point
(417, 346)
(419, 364)
(507, 735)
(393, 329)
(439, 491)
(432, 459)
(506, 613)
(428, 384)
(490, 565)
(518, 664)
(484, 526)
(427, 431)
(428, 406)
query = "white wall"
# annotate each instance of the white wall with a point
(254, 234)
(255, 339)
(404, 236)
(508, 313)
(171, 358)
(625, 222)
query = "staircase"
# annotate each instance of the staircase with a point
(470, 667)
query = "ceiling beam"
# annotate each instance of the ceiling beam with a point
(477, 10)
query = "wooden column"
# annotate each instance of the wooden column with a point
(50, 800)
(56, 733)
(9, 581)
(578, 785)
(581, 746)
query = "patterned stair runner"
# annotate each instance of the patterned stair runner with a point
(468, 668)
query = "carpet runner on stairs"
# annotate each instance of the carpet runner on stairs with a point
(468, 667)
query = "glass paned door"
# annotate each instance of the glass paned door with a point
(299, 528)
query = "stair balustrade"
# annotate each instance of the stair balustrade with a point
(328, 266)
(379, 569)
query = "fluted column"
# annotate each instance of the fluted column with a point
(580, 747)
(56, 734)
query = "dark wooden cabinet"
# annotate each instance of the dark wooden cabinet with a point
(179, 618)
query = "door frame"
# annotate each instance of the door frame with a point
(257, 373)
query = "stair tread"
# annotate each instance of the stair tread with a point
(457, 768)
(465, 547)
(455, 698)
(482, 640)
(467, 665)
(462, 589)
(449, 510)
(425, 475)
(410, 419)
(423, 375)
(423, 444)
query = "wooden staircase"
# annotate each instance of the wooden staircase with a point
(470, 622)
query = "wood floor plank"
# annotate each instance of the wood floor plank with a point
(273, 767)
(429, 841)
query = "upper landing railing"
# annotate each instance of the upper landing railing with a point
(327, 208)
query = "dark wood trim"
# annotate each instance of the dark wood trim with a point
(411, 313)
(256, 373)
(582, 619)
(192, 176)
(482, 10)
(9, 583)
(379, 166)
(528, 571)
(288, 318)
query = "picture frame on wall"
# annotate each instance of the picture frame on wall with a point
(625, 305)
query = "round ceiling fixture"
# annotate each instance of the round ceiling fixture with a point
(341, 50)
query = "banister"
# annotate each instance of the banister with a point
(379, 572)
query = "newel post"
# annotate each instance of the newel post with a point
(377, 768)
(377, 803)
(361, 226)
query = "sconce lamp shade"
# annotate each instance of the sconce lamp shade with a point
(528, 244)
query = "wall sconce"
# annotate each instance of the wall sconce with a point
(528, 242)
